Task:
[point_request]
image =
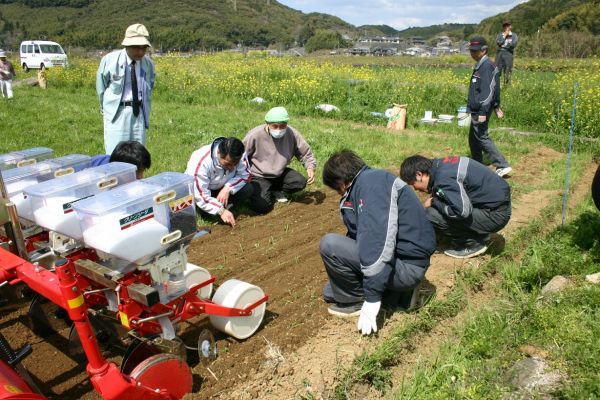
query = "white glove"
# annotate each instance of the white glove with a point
(367, 322)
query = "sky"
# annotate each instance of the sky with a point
(402, 14)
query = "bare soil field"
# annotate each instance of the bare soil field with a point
(299, 348)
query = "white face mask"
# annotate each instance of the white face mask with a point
(277, 133)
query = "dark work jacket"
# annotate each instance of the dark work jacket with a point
(460, 184)
(484, 88)
(388, 222)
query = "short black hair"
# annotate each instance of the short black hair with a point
(132, 152)
(412, 165)
(232, 147)
(342, 167)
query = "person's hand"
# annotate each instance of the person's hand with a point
(367, 322)
(311, 176)
(499, 113)
(482, 118)
(428, 201)
(223, 196)
(228, 217)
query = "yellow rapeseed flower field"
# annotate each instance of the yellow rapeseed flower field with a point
(540, 97)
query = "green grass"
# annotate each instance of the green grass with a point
(69, 121)
(476, 362)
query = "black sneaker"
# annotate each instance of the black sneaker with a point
(467, 252)
(345, 310)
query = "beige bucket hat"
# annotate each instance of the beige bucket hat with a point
(136, 35)
(2, 53)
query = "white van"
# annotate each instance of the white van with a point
(42, 54)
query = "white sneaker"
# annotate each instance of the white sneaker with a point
(280, 197)
(502, 172)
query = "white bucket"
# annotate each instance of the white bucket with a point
(238, 294)
(464, 119)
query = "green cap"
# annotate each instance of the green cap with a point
(277, 114)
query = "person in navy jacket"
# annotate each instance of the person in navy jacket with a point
(387, 246)
(466, 202)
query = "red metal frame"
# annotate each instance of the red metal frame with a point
(62, 288)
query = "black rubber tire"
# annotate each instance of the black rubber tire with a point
(25, 67)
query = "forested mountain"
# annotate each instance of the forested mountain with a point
(174, 24)
(548, 16)
(220, 24)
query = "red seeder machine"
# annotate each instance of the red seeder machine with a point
(107, 253)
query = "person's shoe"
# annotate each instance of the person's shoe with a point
(345, 310)
(280, 197)
(467, 252)
(502, 172)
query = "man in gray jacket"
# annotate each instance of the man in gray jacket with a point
(386, 250)
(270, 148)
(507, 41)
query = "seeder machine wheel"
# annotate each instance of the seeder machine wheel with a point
(207, 347)
(142, 349)
(238, 294)
(47, 318)
(195, 275)
(165, 372)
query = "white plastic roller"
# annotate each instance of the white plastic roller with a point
(195, 275)
(238, 294)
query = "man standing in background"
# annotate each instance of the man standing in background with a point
(7, 73)
(507, 41)
(484, 96)
(124, 84)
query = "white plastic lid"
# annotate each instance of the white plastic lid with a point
(79, 179)
(168, 180)
(120, 197)
(35, 152)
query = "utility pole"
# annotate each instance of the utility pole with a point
(234, 5)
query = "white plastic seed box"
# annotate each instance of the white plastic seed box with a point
(52, 201)
(182, 210)
(17, 179)
(25, 157)
(133, 222)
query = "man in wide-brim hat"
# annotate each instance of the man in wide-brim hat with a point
(124, 83)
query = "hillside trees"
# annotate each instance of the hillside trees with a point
(325, 39)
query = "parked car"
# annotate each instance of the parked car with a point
(40, 54)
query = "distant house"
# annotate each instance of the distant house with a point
(416, 41)
(443, 41)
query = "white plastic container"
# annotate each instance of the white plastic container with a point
(17, 179)
(463, 117)
(25, 157)
(134, 221)
(182, 212)
(51, 201)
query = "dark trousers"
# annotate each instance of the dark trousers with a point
(289, 182)
(480, 142)
(504, 61)
(342, 264)
(235, 199)
(472, 230)
(239, 197)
